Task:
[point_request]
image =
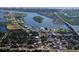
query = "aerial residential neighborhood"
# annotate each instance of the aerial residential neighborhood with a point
(39, 29)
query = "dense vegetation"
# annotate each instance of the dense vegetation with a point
(71, 18)
(38, 19)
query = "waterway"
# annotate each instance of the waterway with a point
(47, 22)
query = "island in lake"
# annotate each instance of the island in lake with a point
(39, 29)
(38, 19)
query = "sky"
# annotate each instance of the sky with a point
(39, 3)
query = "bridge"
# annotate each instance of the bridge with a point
(67, 24)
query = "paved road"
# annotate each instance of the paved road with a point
(67, 24)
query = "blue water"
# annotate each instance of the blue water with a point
(3, 29)
(47, 22)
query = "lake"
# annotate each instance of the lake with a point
(47, 22)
